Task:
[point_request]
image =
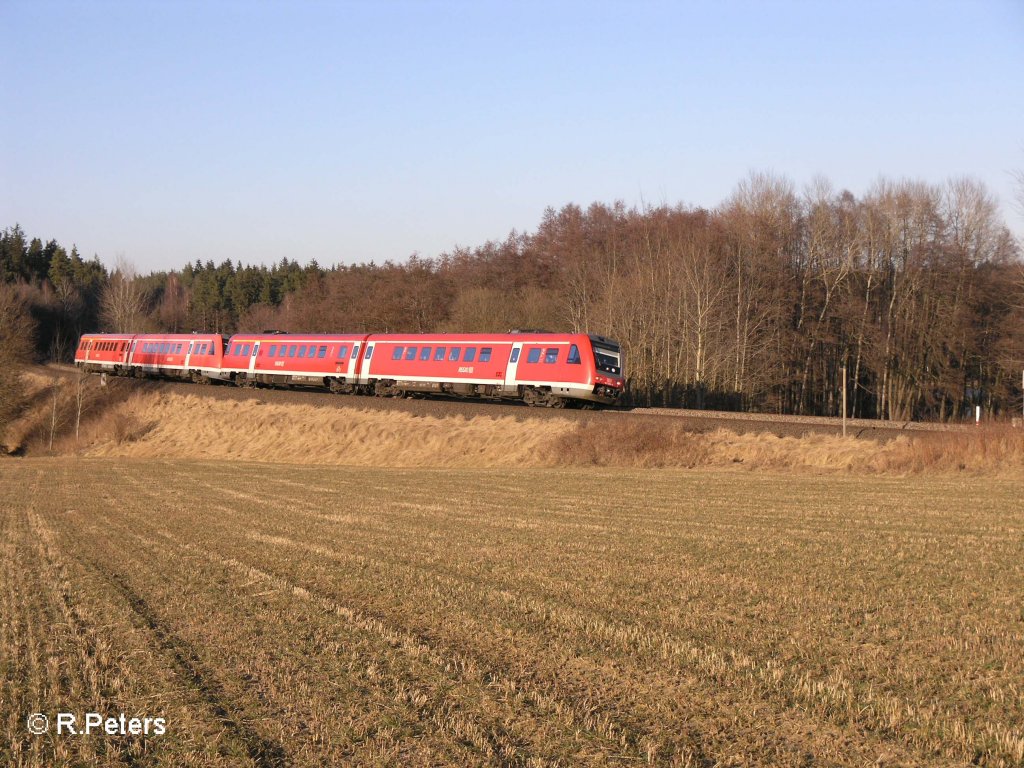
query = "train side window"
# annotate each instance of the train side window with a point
(291, 350)
(425, 353)
(397, 353)
(302, 350)
(369, 352)
(453, 356)
(311, 351)
(343, 352)
(574, 355)
(355, 351)
(439, 353)
(283, 350)
(533, 356)
(485, 355)
(272, 351)
(470, 355)
(551, 356)
(177, 351)
(410, 353)
(515, 356)
(322, 351)
(245, 350)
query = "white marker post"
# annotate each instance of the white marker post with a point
(844, 401)
(977, 415)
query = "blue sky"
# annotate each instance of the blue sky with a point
(354, 131)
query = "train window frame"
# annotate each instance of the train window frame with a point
(439, 353)
(410, 353)
(245, 350)
(453, 354)
(425, 353)
(470, 355)
(398, 353)
(177, 349)
(343, 351)
(369, 351)
(485, 354)
(291, 350)
(515, 355)
(355, 351)
(272, 350)
(574, 355)
(551, 355)
(533, 356)
(322, 351)
(302, 352)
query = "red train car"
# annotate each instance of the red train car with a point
(317, 360)
(547, 369)
(195, 356)
(103, 352)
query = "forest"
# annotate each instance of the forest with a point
(914, 290)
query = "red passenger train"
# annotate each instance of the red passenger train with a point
(539, 368)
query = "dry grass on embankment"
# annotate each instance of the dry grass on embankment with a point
(118, 422)
(993, 450)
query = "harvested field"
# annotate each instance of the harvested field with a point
(298, 615)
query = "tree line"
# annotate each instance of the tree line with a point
(914, 292)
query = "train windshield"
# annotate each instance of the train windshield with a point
(608, 360)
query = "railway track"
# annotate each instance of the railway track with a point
(697, 421)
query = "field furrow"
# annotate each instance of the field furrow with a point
(312, 615)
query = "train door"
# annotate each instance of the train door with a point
(188, 353)
(352, 371)
(513, 365)
(252, 360)
(131, 352)
(363, 365)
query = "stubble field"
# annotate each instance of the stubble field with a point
(298, 615)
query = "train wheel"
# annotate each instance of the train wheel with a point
(533, 397)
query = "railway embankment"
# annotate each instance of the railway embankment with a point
(70, 415)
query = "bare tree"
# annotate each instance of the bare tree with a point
(122, 308)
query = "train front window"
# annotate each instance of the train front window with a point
(607, 360)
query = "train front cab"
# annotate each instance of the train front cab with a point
(556, 370)
(609, 379)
